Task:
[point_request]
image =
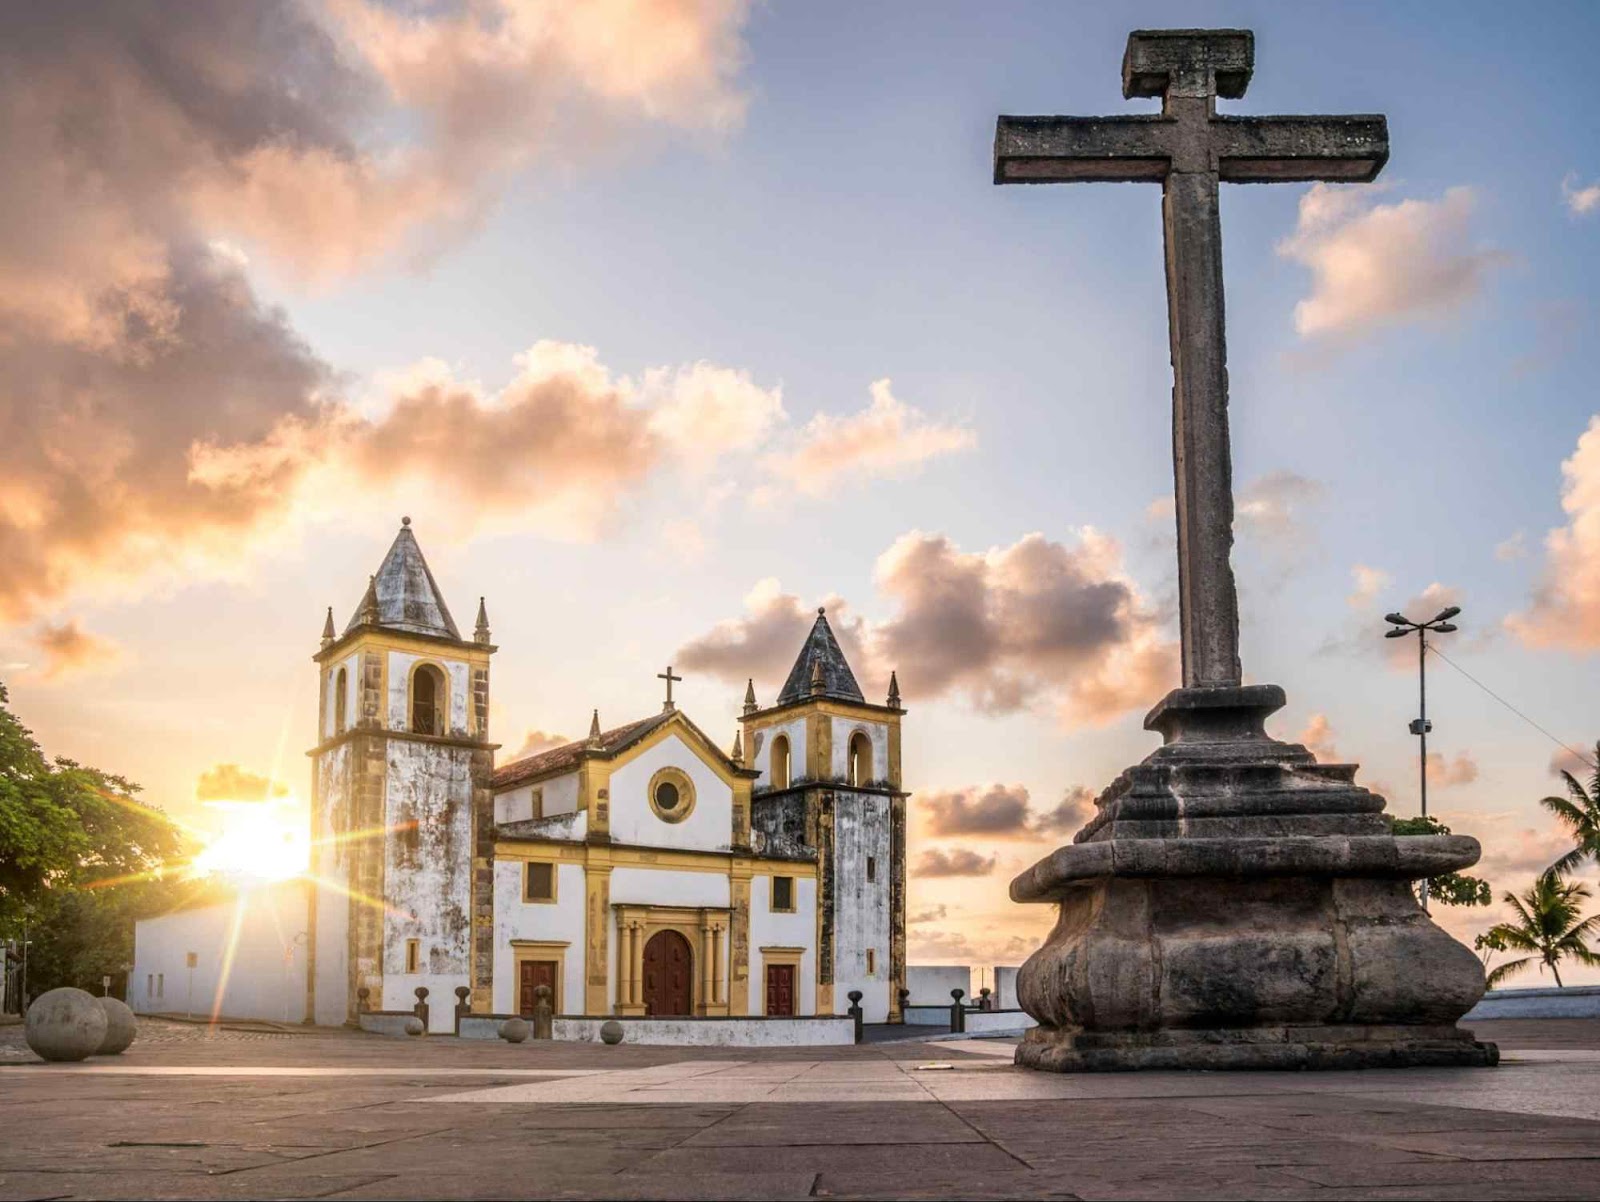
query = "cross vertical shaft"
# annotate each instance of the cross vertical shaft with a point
(1190, 150)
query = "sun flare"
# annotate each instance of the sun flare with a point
(258, 841)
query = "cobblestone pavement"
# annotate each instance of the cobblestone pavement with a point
(188, 1113)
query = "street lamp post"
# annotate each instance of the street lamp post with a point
(1420, 726)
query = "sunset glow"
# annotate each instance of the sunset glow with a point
(258, 842)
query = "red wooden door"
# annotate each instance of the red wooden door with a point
(667, 980)
(780, 989)
(535, 973)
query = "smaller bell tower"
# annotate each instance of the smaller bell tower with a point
(401, 805)
(830, 786)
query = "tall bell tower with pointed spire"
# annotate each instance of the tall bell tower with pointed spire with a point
(830, 786)
(402, 812)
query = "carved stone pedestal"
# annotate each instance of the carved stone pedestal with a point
(1235, 904)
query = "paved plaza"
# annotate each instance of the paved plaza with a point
(188, 1113)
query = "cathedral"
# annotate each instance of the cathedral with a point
(641, 870)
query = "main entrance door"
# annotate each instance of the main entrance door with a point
(668, 965)
(780, 989)
(531, 975)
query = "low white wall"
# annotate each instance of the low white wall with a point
(1575, 1001)
(930, 985)
(387, 1024)
(994, 1022)
(690, 1032)
(250, 958)
(1005, 988)
(928, 1016)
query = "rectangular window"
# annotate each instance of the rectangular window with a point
(872, 961)
(161, 984)
(539, 883)
(783, 893)
(872, 869)
(413, 955)
(150, 985)
(536, 803)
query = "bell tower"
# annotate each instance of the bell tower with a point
(830, 785)
(401, 805)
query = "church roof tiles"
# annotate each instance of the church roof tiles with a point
(407, 598)
(821, 670)
(566, 756)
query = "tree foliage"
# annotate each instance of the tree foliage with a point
(81, 859)
(1549, 926)
(1579, 812)
(1449, 888)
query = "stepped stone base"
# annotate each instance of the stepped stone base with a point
(1257, 1048)
(1235, 904)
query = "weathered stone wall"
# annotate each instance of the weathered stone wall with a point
(861, 908)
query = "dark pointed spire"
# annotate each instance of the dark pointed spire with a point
(894, 691)
(820, 656)
(369, 613)
(480, 633)
(738, 747)
(328, 634)
(407, 597)
(594, 729)
(750, 705)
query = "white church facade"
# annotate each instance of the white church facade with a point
(641, 870)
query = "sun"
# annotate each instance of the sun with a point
(259, 841)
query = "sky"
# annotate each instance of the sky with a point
(667, 322)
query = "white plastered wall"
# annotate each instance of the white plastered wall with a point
(560, 921)
(330, 863)
(559, 795)
(709, 826)
(776, 929)
(877, 732)
(761, 754)
(861, 907)
(399, 700)
(352, 684)
(263, 977)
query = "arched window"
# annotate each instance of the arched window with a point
(341, 696)
(860, 758)
(780, 762)
(428, 696)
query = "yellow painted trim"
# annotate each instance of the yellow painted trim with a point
(739, 943)
(602, 857)
(779, 956)
(597, 927)
(397, 640)
(443, 713)
(772, 892)
(788, 762)
(709, 754)
(859, 732)
(696, 924)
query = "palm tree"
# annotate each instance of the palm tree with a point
(1548, 926)
(1579, 812)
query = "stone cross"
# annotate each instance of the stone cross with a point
(669, 678)
(1188, 148)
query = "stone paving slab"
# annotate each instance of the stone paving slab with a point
(366, 1117)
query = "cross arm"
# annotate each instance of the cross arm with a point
(1042, 150)
(1263, 150)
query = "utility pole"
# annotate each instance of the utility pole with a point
(1420, 726)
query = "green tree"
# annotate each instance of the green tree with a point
(1579, 812)
(1449, 888)
(1549, 926)
(81, 859)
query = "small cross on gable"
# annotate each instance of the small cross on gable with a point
(669, 678)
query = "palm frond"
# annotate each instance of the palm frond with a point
(1509, 969)
(1576, 791)
(1566, 812)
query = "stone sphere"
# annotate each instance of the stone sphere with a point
(611, 1031)
(121, 1027)
(65, 1024)
(414, 1025)
(514, 1030)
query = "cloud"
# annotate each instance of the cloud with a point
(1513, 548)
(1037, 619)
(1580, 765)
(1580, 201)
(931, 914)
(1369, 586)
(1447, 773)
(1000, 811)
(536, 741)
(1317, 737)
(1036, 622)
(1074, 809)
(229, 782)
(1565, 608)
(1378, 265)
(888, 438)
(69, 649)
(1271, 509)
(936, 861)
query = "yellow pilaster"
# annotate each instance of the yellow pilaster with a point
(597, 922)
